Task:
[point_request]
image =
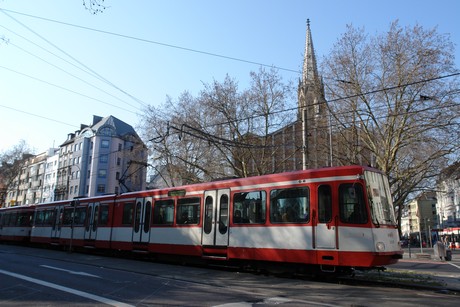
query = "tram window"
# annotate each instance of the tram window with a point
(128, 210)
(38, 218)
(13, 217)
(163, 212)
(49, 217)
(351, 204)
(188, 211)
(290, 205)
(80, 216)
(137, 218)
(223, 215)
(67, 216)
(147, 213)
(96, 216)
(208, 210)
(249, 207)
(103, 215)
(324, 204)
(24, 219)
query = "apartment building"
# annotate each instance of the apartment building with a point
(104, 157)
(421, 217)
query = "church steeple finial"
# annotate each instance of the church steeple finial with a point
(310, 71)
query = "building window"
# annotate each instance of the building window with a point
(118, 161)
(105, 144)
(103, 158)
(119, 147)
(102, 173)
(101, 188)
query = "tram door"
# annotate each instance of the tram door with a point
(92, 218)
(57, 223)
(215, 222)
(326, 225)
(142, 218)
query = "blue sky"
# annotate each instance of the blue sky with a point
(55, 76)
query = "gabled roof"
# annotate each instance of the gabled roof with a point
(120, 127)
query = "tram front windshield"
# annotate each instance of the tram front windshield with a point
(382, 210)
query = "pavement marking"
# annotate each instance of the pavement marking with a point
(457, 266)
(68, 271)
(68, 290)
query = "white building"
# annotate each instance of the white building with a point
(49, 178)
(448, 195)
(103, 158)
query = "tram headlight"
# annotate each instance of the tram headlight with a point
(380, 246)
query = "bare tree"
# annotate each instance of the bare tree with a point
(215, 134)
(95, 6)
(11, 163)
(395, 103)
(269, 109)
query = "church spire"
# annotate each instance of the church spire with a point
(310, 71)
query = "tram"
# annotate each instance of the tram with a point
(332, 219)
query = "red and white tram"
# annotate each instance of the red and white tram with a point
(16, 223)
(331, 218)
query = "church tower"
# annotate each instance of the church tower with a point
(312, 110)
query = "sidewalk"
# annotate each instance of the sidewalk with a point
(417, 253)
(425, 262)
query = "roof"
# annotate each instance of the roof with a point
(120, 127)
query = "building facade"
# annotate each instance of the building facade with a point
(104, 157)
(448, 195)
(421, 218)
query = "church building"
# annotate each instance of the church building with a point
(306, 142)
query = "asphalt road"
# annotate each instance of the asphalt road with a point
(41, 277)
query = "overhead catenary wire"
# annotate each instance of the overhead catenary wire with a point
(297, 108)
(155, 42)
(88, 69)
(210, 54)
(59, 68)
(66, 89)
(201, 134)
